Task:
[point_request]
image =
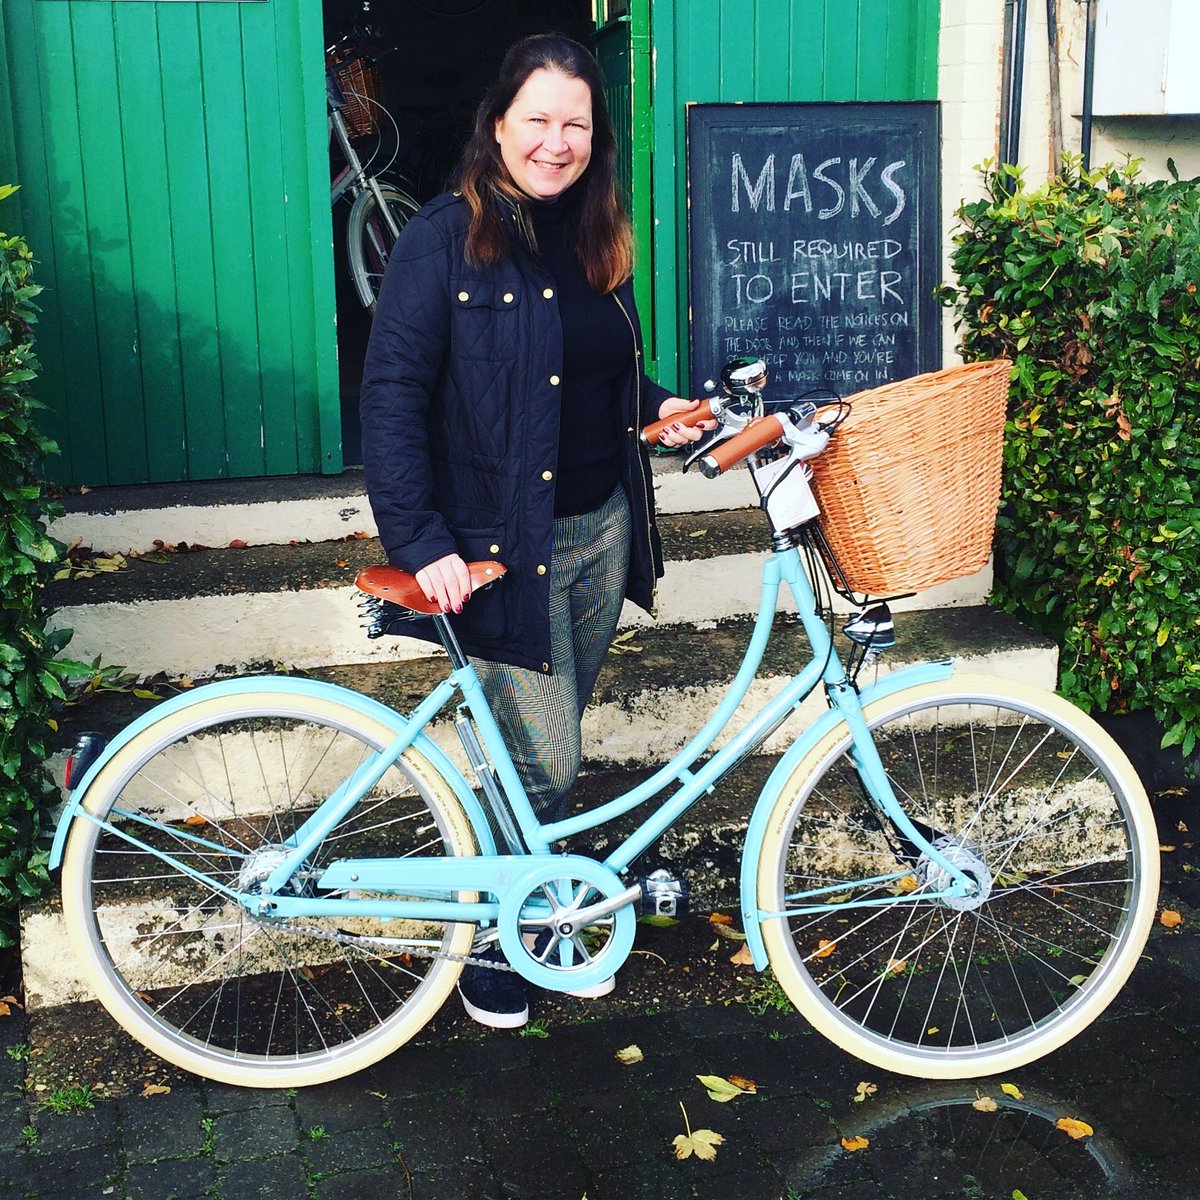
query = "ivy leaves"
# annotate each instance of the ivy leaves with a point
(30, 678)
(1090, 284)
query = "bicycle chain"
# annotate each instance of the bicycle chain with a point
(354, 939)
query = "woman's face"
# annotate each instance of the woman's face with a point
(545, 136)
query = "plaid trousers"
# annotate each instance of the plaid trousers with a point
(539, 714)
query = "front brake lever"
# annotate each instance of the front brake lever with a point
(702, 447)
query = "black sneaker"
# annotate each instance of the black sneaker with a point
(491, 997)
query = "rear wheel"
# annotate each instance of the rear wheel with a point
(201, 803)
(1029, 798)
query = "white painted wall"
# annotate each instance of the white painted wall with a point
(969, 85)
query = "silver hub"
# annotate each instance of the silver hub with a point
(962, 855)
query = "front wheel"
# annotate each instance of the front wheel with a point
(1031, 800)
(201, 804)
(371, 233)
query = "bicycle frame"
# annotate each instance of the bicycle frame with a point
(429, 885)
(353, 177)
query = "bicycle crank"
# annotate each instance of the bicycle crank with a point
(568, 923)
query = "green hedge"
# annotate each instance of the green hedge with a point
(1090, 285)
(30, 678)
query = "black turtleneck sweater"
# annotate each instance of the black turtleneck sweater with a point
(597, 348)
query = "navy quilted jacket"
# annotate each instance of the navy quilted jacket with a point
(460, 411)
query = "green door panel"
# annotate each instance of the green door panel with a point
(172, 162)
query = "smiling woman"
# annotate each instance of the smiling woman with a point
(545, 137)
(501, 400)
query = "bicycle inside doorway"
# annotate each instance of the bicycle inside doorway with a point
(404, 77)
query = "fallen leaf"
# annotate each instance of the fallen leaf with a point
(721, 1090)
(855, 1143)
(12, 1000)
(1077, 980)
(908, 884)
(1019, 1195)
(155, 1089)
(631, 1054)
(658, 920)
(727, 931)
(1167, 849)
(1182, 827)
(698, 533)
(1011, 1089)
(1170, 918)
(824, 948)
(863, 1091)
(1073, 1128)
(743, 958)
(238, 544)
(719, 919)
(195, 820)
(984, 1104)
(186, 682)
(933, 1029)
(701, 1142)
(747, 1085)
(340, 562)
(5, 1011)
(896, 965)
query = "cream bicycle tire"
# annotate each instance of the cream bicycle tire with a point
(853, 982)
(201, 921)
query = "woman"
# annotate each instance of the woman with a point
(502, 397)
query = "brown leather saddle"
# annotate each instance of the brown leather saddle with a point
(399, 587)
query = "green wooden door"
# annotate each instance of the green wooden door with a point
(708, 51)
(172, 162)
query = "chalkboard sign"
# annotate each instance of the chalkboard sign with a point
(814, 241)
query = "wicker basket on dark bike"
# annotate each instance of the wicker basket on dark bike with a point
(359, 80)
(910, 483)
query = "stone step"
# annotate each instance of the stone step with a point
(207, 609)
(306, 508)
(663, 683)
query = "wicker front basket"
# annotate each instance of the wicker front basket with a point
(910, 483)
(359, 81)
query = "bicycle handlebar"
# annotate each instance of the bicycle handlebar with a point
(652, 433)
(759, 433)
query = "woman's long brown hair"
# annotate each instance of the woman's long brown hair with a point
(601, 234)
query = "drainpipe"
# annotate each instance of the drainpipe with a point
(1012, 80)
(1056, 130)
(1089, 72)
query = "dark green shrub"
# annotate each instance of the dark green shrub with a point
(1090, 285)
(29, 677)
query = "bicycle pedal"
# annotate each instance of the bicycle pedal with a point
(663, 895)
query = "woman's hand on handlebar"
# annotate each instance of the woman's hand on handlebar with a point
(678, 433)
(446, 582)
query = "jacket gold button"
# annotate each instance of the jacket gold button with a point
(548, 293)
(541, 569)
(464, 296)
(554, 380)
(545, 666)
(508, 297)
(493, 549)
(547, 475)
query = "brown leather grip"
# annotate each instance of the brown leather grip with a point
(390, 583)
(652, 433)
(759, 433)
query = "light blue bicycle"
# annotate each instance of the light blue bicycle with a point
(275, 882)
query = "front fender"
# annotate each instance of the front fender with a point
(298, 687)
(760, 817)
